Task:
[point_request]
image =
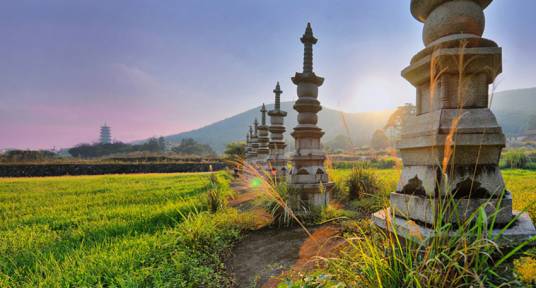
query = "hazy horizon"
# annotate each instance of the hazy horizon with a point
(150, 69)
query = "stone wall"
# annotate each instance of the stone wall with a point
(36, 170)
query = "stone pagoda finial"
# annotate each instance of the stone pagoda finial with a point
(250, 131)
(308, 75)
(308, 40)
(278, 93)
(263, 113)
(255, 127)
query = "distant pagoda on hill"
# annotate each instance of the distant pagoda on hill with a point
(105, 134)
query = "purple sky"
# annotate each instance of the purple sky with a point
(153, 68)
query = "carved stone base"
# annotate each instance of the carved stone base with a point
(423, 208)
(522, 230)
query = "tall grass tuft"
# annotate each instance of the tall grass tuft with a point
(280, 209)
(277, 198)
(216, 196)
(360, 182)
(464, 256)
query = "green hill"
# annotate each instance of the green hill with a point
(514, 109)
(217, 135)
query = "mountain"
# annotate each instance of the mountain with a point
(360, 126)
(513, 108)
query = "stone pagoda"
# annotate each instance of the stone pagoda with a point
(105, 134)
(254, 143)
(276, 159)
(451, 148)
(263, 139)
(308, 175)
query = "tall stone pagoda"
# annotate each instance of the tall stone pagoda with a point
(263, 139)
(451, 148)
(308, 174)
(254, 144)
(276, 159)
(105, 134)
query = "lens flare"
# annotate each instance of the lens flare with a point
(255, 182)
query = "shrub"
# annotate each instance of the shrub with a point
(235, 151)
(361, 181)
(387, 163)
(379, 163)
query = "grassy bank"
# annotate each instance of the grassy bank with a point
(467, 258)
(121, 230)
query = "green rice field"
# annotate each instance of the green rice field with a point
(112, 231)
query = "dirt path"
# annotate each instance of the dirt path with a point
(264, 257)
(263, 254)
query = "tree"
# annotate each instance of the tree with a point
(99, 150)
(27, 156)
(379, 140)
(151, 145)
(340, 142)
(189, 146)
(398, 119)
(162, 144)
(235, 150)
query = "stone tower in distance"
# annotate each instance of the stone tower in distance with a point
(251, 154)
(277, 159)
(105, 134)
(451, 148)
(308, 175)
(254, 141)
(263, 139)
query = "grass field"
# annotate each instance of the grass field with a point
(119, 230)
(136, 230)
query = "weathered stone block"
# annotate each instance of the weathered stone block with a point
(426, 209)
(460, 180)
